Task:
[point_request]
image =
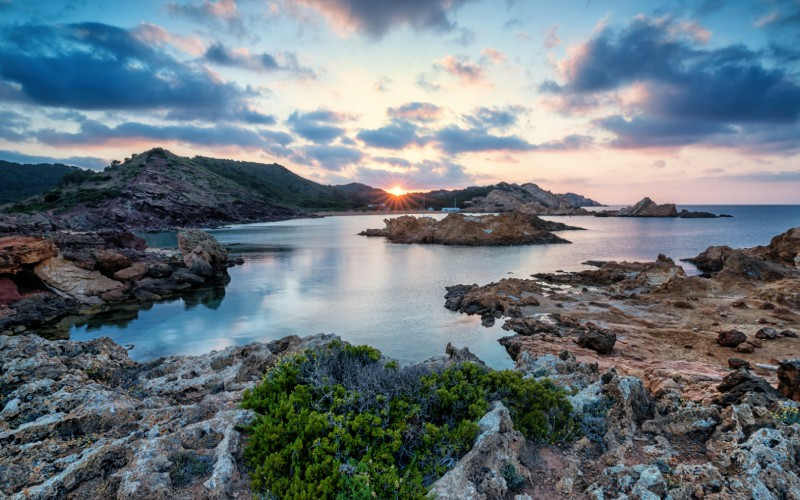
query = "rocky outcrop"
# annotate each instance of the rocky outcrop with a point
(480, 473)
(458, 229)
(789, 378)
(19, 251)
(783, 249)
(81, 420)
(597, 339)
(202, 253)
(648, 208)
(531, 199)
(80, 284)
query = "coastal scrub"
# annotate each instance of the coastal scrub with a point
(344, 422)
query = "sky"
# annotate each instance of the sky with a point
(683, 101)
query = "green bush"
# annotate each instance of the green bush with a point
(342, 422)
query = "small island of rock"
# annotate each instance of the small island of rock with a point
(648, 208)
(512, 228)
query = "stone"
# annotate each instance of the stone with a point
(742, 387)
(789, 378)
(767, 333)
(135, 272)
(9, 293)
(745, 348)
(19, 251)
(731, 338)
(737, 363)
(597, 339)
(757, 343)
(202, 254)
(80, 284)
(110, 261)
(159, 270)
(789, 333)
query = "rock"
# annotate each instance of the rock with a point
(110, 261)
(783, 249)
(755, 343)
(239, 261)
(744, 348)
(686, 214)
(512, 228)
(644, 208)
(742, 387)
(737, 363)
(478, 475)
(789, 333)
(38, 309)
(789, 378)
(183, 275)
(731, 338)
(80, 284)
(507, 197)
(767, 333)
(597, 339)
(159, 270)
(9, 293)
(712, 258)
(19, 251)
(135, 272)
(462, 355)
(202, 254)
(455, 296)
(81, 420)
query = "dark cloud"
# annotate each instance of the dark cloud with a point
(499, 117)
(93, 133)
(96, 66)
(567, 143)
(91, 162)
(416, 111)
(397, 135)
(219, 54)
(317, 126)
(328, 157)
(393, 161)
(689, 94)
(455, 140)
(376, 17)
(13, 126)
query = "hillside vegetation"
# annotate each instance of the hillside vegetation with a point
(20, 181)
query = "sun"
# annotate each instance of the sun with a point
(397, 191)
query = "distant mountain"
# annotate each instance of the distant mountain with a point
(20, 181)
(504, 197)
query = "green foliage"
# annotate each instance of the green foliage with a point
(787, 412)
(18, 182)
(514, 479)
(186, 466)
(343, 422)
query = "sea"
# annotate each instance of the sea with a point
(308, 276)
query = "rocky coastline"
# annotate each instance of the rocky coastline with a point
(509, 228)
(648, 208)
(45, 278)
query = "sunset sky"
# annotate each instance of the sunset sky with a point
(684, 101)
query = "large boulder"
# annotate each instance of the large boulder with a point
(648, 208)
(789, 378)
(783, 249)
(731, 338)
(79, 283)
(19, 251)
(597, 339)
(202, 253)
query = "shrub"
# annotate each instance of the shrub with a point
(343, 421)
(514, 479)
(185, 466)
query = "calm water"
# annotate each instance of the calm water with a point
(316, 275)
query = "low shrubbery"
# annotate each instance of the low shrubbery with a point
(341, 421)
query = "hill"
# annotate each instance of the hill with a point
(20, 181)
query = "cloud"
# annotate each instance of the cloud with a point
(455, 140)
(397, 135)
(217, 14)
(13, 126)
(91, 162)
(493, 56)
(678, 92)
(328, 157)
(157, 36)
(96, 66)
(416, 111)
(659, 164)
(375, 18)
(570, 142)
(94, 133)
(316, 126)
(498, 117)
(462, 68)
(393, 161)
(221, 55)
(424, 175)
(551, 38)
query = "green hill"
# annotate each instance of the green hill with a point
(20, 181)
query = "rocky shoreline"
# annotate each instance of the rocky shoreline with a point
(508, 228)
(648, 208)
(43, 279)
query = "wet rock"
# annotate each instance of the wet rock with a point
(737, 363)
(19, 251)
(597, 339)
(202, 253)
(731, 338)
(767, 333)
(455, 295)
(80, 284)
(478, 475)
(182, 275)
(789, 378)
(38, 309)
